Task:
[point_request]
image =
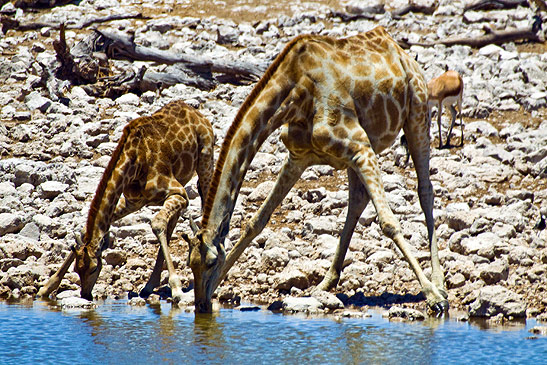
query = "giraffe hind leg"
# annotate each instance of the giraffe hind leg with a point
(366, 166)
(358, 200)
(420, 156)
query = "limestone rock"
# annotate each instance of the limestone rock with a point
(302, 304)
(405, 314)
(291, 277)
(328, 300)
(493, 300)
(74, 302)
(10, 223)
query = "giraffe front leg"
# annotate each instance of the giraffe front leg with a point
(163, 225)
(125, 207)
(358, 200)
(290, 173)
(54, 282)
(155, 278)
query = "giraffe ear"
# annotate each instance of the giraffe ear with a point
(193, 225)
(105, 242)
(192, 242)
(79, 241)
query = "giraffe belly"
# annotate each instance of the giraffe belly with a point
(298, 142)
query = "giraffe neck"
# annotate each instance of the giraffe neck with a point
(252, 125)
(107, 195)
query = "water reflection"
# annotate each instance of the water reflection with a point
(116, 333)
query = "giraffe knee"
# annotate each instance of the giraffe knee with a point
(391, 230)
(158, 224)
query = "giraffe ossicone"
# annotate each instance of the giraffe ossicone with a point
(155, 157)
(338, 102)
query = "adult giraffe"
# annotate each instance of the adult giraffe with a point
(155, 157)
(340, 102)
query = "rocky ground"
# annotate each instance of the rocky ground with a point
(490, 193)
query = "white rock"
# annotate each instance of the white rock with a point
(493, 300)
(35, 101)
(302, 304)
(50, 189)
(74, 302)
(128, 99)
(10, 223)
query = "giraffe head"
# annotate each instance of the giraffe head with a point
(206, 260)
(88, 263)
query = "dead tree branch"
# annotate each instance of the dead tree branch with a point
(87, 64)
(414, 8)
(39, 4)
(531, 34)
(121, 47)
(356, 13)
(495, 5)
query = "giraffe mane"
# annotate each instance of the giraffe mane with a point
(99, 193)
(249, 101)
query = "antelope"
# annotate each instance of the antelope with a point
(446, 89)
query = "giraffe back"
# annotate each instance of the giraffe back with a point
(174, 143)
(369, 74)
(154, 151)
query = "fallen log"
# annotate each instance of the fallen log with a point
(122, 47)
(39, 4)
(346, 17)
(495, 5)
(11, 23)
(144, 80)
(87, 64)
(74, 66)
(491, 36)
(414, 8)
(356, 13)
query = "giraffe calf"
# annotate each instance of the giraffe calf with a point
(155, 157)
(447, 90)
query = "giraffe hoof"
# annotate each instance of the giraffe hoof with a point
(440, 308)
(145, 293)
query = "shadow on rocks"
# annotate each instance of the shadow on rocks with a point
(384, 300)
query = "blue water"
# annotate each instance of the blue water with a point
(116, 333)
